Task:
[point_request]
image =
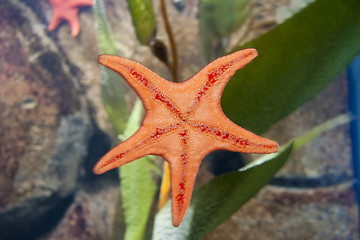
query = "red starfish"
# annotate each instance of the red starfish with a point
(67, 10)
(183, 123)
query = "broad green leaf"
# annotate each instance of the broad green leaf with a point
(296, 61)
(218, 19)
(285, 12)
(144, 20)
(112, 86)
(219, 199)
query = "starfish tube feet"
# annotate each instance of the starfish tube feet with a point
(183, 123)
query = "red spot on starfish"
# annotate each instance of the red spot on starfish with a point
(67, 10)
(184, 122)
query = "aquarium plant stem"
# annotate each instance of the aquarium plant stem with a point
(174, 67)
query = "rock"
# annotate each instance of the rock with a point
(44, 128)
(50, 190)
(90, 216)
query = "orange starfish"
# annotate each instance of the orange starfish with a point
(67, 10)
(184, 122)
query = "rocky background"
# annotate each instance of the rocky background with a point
(53, 129)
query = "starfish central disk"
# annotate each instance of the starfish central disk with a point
(183, 123)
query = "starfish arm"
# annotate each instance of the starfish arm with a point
(212, 79)
(183, 178)
(55, 21)
(148, 85)
(143, 142)
(73, 20)
(218, 72)
(125, 152)
(183, 170)
(232, 137)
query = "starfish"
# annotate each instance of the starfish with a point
(67, 10)
(183, 123)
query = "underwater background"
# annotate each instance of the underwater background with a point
(54, 128)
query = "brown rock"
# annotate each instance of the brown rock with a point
(89, 217)
(44, 129)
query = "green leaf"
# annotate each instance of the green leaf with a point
(113, 87)
(137, 185)
(137, 191)
(144, 20)
(286, 11)
(134, 120)
(219, 199)
(296, 61)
